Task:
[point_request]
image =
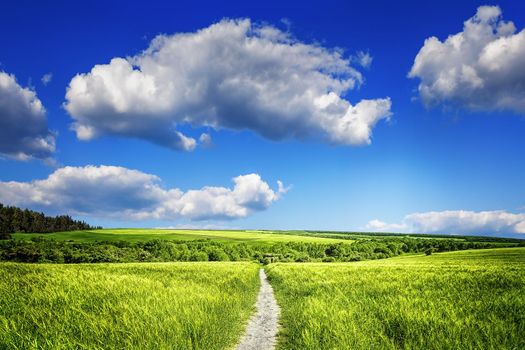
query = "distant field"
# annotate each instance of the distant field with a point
(136, 235)
(455, 300)
(385, 235)
(123, 306)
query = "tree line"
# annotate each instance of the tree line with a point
(40, 249)
(14, 219)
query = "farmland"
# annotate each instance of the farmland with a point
(455, 300)
(255, 237)
(139, 306)
(223, 236)
(461, 299)
(335, 290)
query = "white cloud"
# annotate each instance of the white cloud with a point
(121, 193)
(46, 78)
(456, 222)
(364, 59)
(480, 68)
(233, 74)
(380, 226)
(205, 140)
(23, 125)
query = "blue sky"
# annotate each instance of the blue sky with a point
(452, 156)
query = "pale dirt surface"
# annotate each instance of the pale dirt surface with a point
(262, 328)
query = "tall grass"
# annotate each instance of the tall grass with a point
(458, 300)
(125, 306)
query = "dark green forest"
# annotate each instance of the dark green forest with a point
(13, 219)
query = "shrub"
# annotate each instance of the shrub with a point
(198, 256)
(217, 254)
(429, 251)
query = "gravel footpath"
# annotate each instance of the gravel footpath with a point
(262, 328)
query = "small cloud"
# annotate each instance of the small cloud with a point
(205, 140)
(281, 188)
(364, 59)
(456, 222)
(287, 23)
(52, 162)
(46, 78)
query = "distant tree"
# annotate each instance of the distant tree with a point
(13, 219)
(429, 251)
(217, 254)
(16, 220)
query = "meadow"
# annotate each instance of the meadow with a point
(454, 300)
(125, 306)
(367, 292)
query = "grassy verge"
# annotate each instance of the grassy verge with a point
(456, 300)
(139, 306)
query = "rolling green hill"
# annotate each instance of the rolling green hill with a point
(140, 235)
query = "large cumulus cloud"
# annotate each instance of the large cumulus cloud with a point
(456, 222)
(233, 74)
(121, 193)
(480, 68)
(23, 125)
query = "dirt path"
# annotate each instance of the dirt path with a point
(262, 329)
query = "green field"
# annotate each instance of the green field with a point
(456, 300)
(125, 306)
(471, 299)
(141, 235)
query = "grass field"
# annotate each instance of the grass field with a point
(473, 299)
(123, 306)
(456, 300)
(140, 235)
